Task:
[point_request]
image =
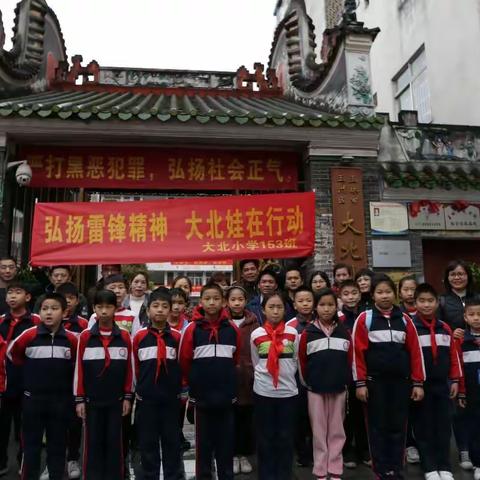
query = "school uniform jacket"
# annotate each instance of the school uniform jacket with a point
(75, 324)
(48, 360)
(263, 382)
(103, 375)
(157, 379)
(386, 346)
(298, 323)
(124, 318)
(470, 358)
(10, 328)
(209, 354)
(447, 363)
(3, 373)
(325, 360)
(348, 318)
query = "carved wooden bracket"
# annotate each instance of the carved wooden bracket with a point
(244, 79)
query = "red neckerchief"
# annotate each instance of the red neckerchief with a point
(410, 310)
(430, 324)
(275, 334)
(105, 339)
(14, 321)
(161, 351)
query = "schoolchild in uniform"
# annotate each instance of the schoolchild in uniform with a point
(209, 353)
(303, 303)
(325, 357)
(178, 318)
(76, 324)
(158, 388)
(124, 317)
(355, 450)
(470, 383)
(12, 324)
(274, 349)
(246, 322)
(431, 418)
(46, 354)
(103, 390)
(388, 370)
(3, 373)
(406, 295)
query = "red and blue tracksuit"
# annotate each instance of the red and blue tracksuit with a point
(103, 379)
(208, 357)
(431, 418)
(303, 431)
(47, 360)
(158, 387)
(3, 373)
(387, 360)
(75, 324)
(470, 390)
(356, 443)
(11, 327)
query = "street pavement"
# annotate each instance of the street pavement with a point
(412, 472)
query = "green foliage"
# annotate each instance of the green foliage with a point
(475, 267)
(130, 270)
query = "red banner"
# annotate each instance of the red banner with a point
(172, 169)
(198, 229)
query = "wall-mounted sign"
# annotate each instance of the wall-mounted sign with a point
(467, 218)
(426, 218)
(349, 216)
(391, 253)
(388, 218)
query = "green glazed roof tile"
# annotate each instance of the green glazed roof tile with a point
(242, 109)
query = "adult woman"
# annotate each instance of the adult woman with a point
(458, 282)
(318, 281)
(363, 278)
(137, 299)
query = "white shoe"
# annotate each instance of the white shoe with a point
(73, 469)
(432, 476)
(44, 475)
(236, 466)
(413, 455)
(476, 473)
(245, 466)
(350, 464)
(465, 462)
(444, 475)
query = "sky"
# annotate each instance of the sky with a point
(163, 34)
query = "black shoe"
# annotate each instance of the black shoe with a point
(303, 463)
(185, 445)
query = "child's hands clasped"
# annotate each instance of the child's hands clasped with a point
(417, 394)
(453, 390)
(362, 394)
(126, 407)
(80, 409)
(458, 334)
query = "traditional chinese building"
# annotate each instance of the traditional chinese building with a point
(92, 133)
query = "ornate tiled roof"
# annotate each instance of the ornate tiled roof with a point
(432, 176)
(165, 105)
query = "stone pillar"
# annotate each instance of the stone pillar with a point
(3, 173)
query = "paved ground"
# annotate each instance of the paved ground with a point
(412, 472)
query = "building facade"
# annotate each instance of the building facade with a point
(425, 58)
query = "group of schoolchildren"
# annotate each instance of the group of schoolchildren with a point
(351, 372)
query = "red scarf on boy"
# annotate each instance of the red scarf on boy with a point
(430, 324)
(275, 334)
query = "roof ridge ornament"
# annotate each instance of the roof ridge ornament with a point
(63, 74)
(245, 80)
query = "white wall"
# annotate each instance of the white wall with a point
(450, 31)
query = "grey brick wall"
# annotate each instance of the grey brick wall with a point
(319, 180)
